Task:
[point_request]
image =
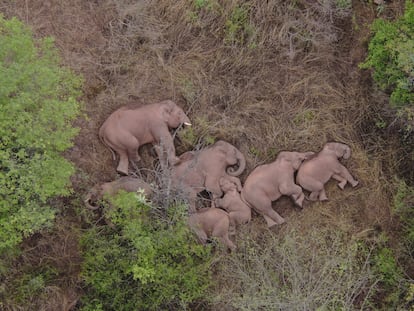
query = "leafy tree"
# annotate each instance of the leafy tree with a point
(38, 101)
(147, 261)
(390, 54)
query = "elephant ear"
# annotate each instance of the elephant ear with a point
(166, 110)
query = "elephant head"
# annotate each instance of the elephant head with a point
(201, 170)
(316, 172)
(125, 183)
(232, 156)
(341, 150)
(294, 158)
(173, 115)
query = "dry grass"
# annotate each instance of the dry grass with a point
(288, 80)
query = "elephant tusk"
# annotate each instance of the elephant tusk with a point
(187, 124)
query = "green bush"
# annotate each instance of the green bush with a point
(390, 55)
(148, 261)
(37, 104)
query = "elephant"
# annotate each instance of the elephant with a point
(268, 182)
(315, 172)
(211, 222)
(126, 183)
(239, 211)
(202, 170)
(126, 129)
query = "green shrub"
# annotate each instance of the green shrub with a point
(37, 104)
(149, 261)
(390, 55)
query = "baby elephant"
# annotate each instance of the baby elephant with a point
(211, 222)
(239, 212)
(126, 183)
(315, 172)
(268, 182)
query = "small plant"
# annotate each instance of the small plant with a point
(150, 261)
(238, 27)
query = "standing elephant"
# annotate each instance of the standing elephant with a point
(315, 172)
(267, 183)
(126, 183)
(211, 222)
(202, 170)
(239, 212)
(127, 129)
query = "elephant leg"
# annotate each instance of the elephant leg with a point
(344, 173)
(294, 191)
(270, 215)
(314, 196)
(201, 234)
(269, 221)
(226, 241)
(161, 155)
(123, 162)
(342, 181)
(232, 225)
(167, 145)
(322, 195)
(211, 184)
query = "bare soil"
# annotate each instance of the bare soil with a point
(292, 84)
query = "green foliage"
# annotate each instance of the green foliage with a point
(386, 267)
(150, 261)
(404, 209)
(390, 54)
(37, 104)
(238, 27)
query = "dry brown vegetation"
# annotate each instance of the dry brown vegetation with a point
(285, 79)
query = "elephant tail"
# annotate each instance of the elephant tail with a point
(102, 139)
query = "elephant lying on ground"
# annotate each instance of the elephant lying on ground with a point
(315, 172)
(267, 183)
(202, 170)
(239, 212)
(127, 129)
(126, 183)
(211, 222)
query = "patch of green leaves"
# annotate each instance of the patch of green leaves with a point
(390, 54)
(149, 261)
(38, 102)
(239, 30)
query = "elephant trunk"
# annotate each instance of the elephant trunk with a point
(241, 162)
(88, 204)
(347, 153)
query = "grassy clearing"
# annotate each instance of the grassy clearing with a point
(266, 76)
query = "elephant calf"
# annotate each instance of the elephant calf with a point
(239, 212)
(267, 183)
(211, 222)
(126, 183)
(315, 172)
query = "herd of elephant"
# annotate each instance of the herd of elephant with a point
(215, 169)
